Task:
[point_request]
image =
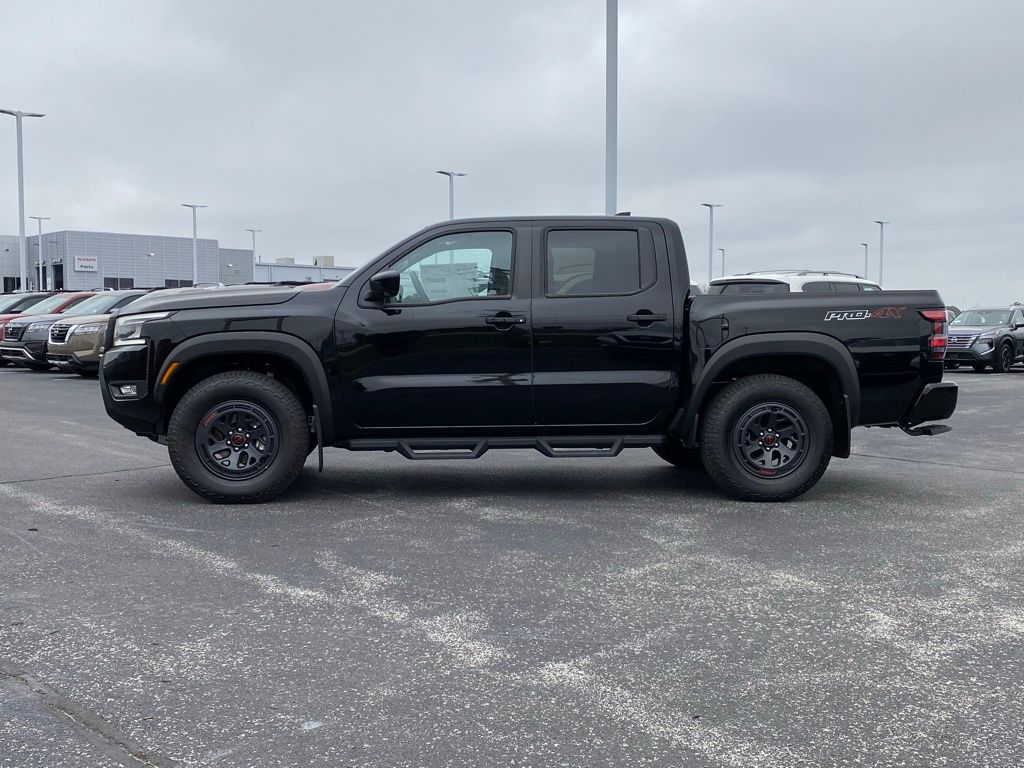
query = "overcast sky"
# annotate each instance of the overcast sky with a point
(323, 123)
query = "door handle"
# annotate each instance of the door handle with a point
(645, 317)
(504, 320)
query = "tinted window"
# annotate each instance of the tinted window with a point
(870, 287)
(845, 287)
(818, 286)
(596, 262)
(465, 265)
(751, 287)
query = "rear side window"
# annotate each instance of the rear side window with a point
(750, 287)
(846, 287)
(869, 287)
(598, 262)
(817, 286)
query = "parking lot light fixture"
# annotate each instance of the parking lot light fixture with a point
(711, 236)
(451, 190)
(881, 248)
(253, 233)
(18, 115)
(39, 244)
(195, 241)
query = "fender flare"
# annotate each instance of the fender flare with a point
(281, 345)
(816, 345)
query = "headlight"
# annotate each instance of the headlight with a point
(128, 330)
(36, 327)
(985, 341)
(91, 328)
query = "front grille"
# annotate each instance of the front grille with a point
(959, 342)
(59, 332)
(13, 332)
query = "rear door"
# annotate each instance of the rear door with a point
(602, 324)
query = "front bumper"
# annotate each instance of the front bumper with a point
(936, 402)
(129, 366)
(78, 353)
(23, 351)
(970, 355)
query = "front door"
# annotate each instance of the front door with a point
(452, 349)
(603, 322)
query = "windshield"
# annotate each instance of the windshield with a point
(982, 317)
(47, 306)
(97, 305)
(17, 301)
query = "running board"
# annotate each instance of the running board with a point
(928, 430)
(474, 447)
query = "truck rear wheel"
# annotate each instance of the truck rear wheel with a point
(238, 437)
(766, 438)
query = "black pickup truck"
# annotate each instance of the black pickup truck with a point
(574, 336)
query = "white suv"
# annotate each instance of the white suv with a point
(792, 281)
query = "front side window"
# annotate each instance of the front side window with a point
(464, 265)
(870, 287)
(603, 262)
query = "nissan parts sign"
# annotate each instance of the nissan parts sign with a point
(87, 264)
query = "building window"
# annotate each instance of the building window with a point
(177, 283)
(118, 283)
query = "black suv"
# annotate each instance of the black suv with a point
(987, 337)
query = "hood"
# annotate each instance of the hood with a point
(28, 319)
(228, 296)
(972, 330)
(82, 319)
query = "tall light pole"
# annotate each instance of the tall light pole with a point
(195, 241)
(21, 193)
(253, 232)
(451, 190)
(865, 260)
(711, 236)
(39, 221)
(611, 106)
(881, 248)
(722, 251)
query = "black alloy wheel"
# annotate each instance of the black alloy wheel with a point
(1004, 358)
(237, 440)
(770, 440)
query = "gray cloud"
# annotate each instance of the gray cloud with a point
(322, 124)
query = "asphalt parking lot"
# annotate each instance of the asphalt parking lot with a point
(514, 610)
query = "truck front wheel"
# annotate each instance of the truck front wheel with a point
(238, 437)
(766, 438)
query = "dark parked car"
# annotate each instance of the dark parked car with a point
(584, 341)
(983, 338)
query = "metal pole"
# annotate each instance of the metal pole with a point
(881, 248)
(195, 240)
(711, 237)
(39, 220)
(611, 104)
(254, 257)
(722, 251)
(451, 196)
(22, 244)
(865, 260)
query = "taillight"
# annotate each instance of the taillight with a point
(937, 341)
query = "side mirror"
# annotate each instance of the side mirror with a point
(383, 286)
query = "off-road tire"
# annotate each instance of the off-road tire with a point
(280, 402)
(721, 419)
(1004, 358)
(684, 458)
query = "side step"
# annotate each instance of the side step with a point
(928, 430)
(474, 447)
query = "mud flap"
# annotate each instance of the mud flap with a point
(319, 440)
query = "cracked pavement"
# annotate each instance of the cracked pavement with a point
(513, 610)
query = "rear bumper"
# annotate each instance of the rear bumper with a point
(936, 402)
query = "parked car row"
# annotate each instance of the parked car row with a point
(991, 337)
(65, 330)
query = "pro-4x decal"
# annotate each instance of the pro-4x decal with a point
(882, 313)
